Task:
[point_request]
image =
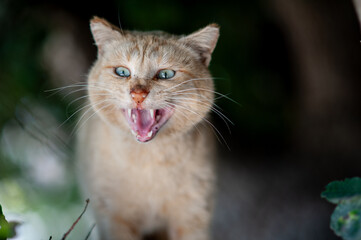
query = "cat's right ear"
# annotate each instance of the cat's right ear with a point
(103, 32)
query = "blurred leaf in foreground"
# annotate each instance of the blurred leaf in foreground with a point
(6, 230)
(341, 190)
(346, 219)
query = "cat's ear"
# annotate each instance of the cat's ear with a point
(103, 32)
(203, 41)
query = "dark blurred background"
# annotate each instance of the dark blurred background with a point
(292, 66)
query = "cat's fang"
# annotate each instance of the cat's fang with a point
(134, 118)
(150, 134)
(129, 112)
(157, 118)
(152, 112)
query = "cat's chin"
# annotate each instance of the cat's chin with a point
(145, 123)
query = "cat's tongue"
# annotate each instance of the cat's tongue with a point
(144, 121)
(142, 124)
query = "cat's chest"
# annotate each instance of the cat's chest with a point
(151, 171)
(155, 170)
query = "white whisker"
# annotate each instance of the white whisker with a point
(92, 116)
(85, 96)
(189, 80)
(207, 90)
(206, 104)
(199, 95)
(184, 115)
(81, 108)
(83, 87)
(204, 119)
(91, 106)
(213, 109)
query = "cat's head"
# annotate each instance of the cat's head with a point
(150, 82)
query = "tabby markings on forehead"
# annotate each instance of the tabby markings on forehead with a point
(144, 59)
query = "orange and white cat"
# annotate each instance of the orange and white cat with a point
(146, 151)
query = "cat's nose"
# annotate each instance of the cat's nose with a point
(139, 95)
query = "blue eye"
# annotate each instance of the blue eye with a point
(122, 72)
(165, 74)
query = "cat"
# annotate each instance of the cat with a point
(146, 153)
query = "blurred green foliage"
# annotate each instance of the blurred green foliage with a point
(6, 229)
(346, 219)
(21, 73)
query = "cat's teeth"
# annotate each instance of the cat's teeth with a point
(129, 112)
(157, 118)
(152, 111)
(134, 118)
(150, 134)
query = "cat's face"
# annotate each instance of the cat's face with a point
(145, 83)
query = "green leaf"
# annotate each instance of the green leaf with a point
(4, 230)
(341, 190)
(7, 230)
(346, 219)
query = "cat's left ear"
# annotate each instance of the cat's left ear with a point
(103, 32)
(203, 41)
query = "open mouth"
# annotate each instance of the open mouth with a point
(145, 123)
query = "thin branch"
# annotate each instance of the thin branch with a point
(76, 221)
(90, 231)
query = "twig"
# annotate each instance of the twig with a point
(76, 221)
(90, 231)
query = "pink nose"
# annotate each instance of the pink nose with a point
(138, 95)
